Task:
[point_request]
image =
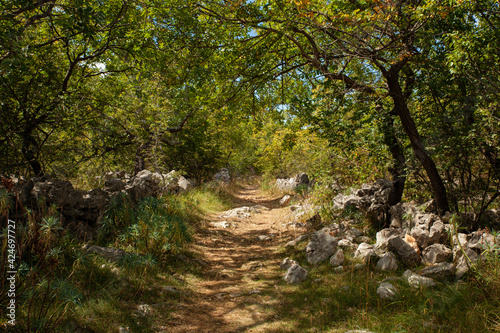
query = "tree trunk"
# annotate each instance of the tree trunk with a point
(398, 171)
(30, 155)
(402, 111)
(140, 157)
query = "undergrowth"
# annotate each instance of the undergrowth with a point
(63, 288)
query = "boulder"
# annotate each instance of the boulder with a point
(184, 185)
(287, 263)
(338, 258)
(321, 246)
(387, 262)
(481, 240)
(417, 281)
(143, 184)
(421, 234)
(436, 253)
(464, 262)
(222, 176)
(437, 233)
(387, 291)
(285, 200)
(404, 251)
(297, 240)
(114, 185)
(383, 237)
(295, 274)
(439, 271)
(346, 244)
(363, 250)
(290, 184)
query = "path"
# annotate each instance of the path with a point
(236, 292)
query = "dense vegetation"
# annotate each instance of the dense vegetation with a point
(348, 91)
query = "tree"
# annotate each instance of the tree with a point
(50, 52)
(370, 48)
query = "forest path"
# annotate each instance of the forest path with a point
(236, 291)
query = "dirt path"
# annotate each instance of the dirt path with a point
(235, 293)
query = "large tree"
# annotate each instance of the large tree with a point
(370, 48)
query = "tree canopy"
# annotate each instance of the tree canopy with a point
(408, 88)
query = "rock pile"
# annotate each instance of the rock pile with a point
(80, 210)
(415, 238)
(290, 184)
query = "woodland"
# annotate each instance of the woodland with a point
(348, 91)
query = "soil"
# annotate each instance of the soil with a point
(236, 292)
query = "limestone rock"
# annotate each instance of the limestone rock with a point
(338, 258)
(184, 184)
(285, 200)
(417, 281)
(387, 262)
(295, 274)
(346, 244)
(363, 250)
(321, 246)
(383, 237)
(404, 251)
(439, 271)
(297, 240)
(287, 263)
(143, 184)
(387, 291)
(222, 176)
(436, 253)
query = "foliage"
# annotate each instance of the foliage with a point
(148, 227)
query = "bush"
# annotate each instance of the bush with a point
(149, 227)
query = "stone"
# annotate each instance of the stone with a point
(436, 253)
(371, 259)
(417, 281)
(346, 244)
(240, 212)
(421, 234)
(338, 269)
(383, 237)
(222, 176)
(439, 271)
(362, 239)
(404, 251)
(295, 274)
(363, 250)
(287, 263)
(113, 185)
(481, 240)
(437, 233)
(285, 200)
(387, 291)
(302, 179)
(412, 242)
(110, 253)
(321, 246)
(221, 224)
(387, 262)
(338, 258)
(464, 262)
(184, 185)
(143, 184)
